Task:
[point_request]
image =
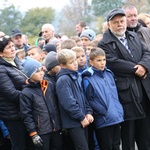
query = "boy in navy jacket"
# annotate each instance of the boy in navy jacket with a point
(38, 108)
(101, 93)
(75, 112)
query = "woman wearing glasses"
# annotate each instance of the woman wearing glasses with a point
(11, 81)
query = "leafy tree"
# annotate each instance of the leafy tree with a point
(10, 18)
(143, 6)
(102, 7)
(78, 10)
(34, 19)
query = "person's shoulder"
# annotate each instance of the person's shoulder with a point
(87, 72)
(29, 87)
(144, 30)
(63, 79)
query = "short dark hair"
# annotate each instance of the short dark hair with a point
(82, 23)
(4, 41)
(96, 51)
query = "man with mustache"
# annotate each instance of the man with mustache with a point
(130, 63)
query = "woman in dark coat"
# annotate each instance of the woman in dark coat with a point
(11, 81)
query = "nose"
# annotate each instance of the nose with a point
(13, 48)
(81, 58)
(41, 72)
(103, 62)
(133, 17)
(75, 63)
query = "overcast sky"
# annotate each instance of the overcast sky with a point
(27, 4)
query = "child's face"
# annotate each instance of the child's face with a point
(98, 62)
(79, 43)
(38, 75)
(21, 55)
(88, 50)
(85, 41)
(81, 59)
(41, 41)
(56, 69)
(71, 64)
(35, 55)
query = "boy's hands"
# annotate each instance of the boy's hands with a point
(87, 120)
(37, 141)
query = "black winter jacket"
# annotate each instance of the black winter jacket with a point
(38, 111)
(129, 85)
(11, 81)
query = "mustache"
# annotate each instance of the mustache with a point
(120, 28)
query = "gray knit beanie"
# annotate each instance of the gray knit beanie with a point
(89, 33)
(50, 60)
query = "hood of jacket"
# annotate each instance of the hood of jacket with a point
(90, 71)
(31, 84)
(65, 71)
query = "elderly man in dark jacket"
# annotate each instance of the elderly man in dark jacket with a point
(130, 62)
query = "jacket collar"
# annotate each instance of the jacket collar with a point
(64, 71)
(135, 29)
(108, 37)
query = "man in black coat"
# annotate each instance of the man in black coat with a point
(130, 62)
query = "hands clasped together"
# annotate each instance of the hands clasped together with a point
(141, 71)
(87, 120)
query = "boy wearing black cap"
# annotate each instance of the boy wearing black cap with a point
(39, 109)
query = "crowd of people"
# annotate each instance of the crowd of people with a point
(85, 92)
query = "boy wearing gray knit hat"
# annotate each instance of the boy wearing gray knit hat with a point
(52, 66)
(86, 36)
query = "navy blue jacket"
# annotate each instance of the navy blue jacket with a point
(72, 101)
(38, 111)
(11, 81)
(101, 93)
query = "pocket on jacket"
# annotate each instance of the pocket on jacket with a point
(37, 121)
(124, 92)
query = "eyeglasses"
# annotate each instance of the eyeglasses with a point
(5, 36)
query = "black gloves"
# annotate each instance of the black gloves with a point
(37, 141)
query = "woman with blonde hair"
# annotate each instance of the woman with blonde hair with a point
(145, 18)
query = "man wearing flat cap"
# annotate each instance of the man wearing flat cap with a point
(130, 63)
(16, 36)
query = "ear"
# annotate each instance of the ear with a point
(1, 54)
(91, 62)
(62, 66)
(108, 24)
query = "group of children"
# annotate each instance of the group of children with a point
(76, 91)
